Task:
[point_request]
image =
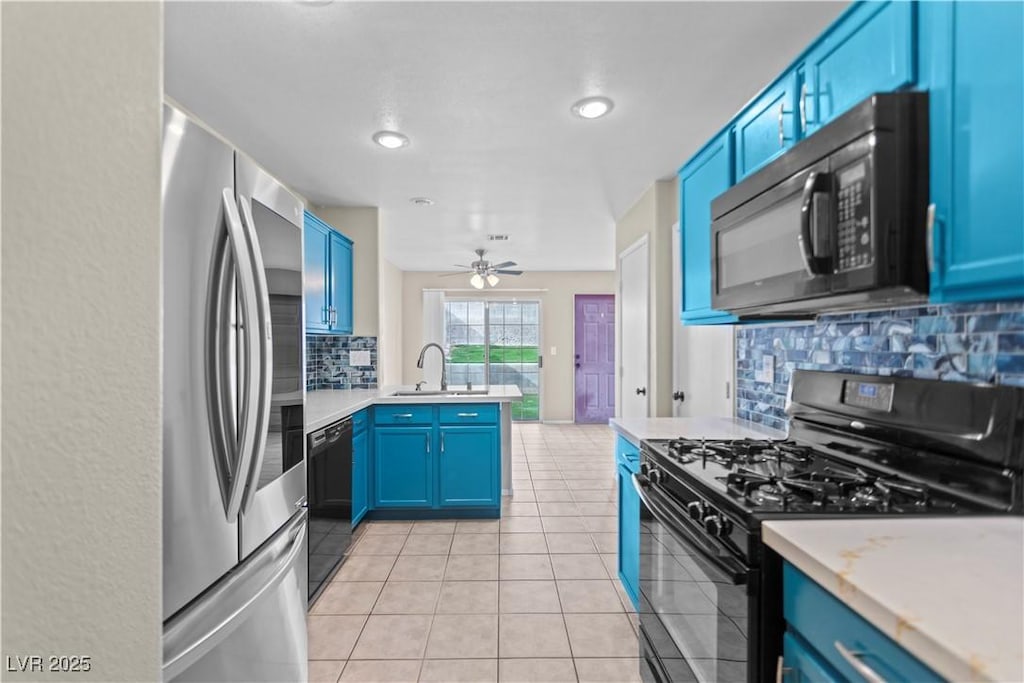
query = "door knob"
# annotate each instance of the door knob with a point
(577, 366)
(641, 391)
(679, 396)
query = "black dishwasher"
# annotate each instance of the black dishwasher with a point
(329, 495)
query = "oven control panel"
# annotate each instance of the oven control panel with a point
(853, 226)
(869, 395)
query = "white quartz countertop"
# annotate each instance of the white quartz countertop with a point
(948, 590)
(329, 405)
(636, 429)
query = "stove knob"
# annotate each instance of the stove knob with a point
(655, 475)
(711, 524)
(696, 509)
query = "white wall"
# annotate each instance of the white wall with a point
(81, 93)
(557, 315)
(653, 215)
(389, 345)
(361, 225)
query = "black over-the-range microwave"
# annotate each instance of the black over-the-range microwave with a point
(837, 222)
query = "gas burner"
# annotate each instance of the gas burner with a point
(868, 496)
(776, 494)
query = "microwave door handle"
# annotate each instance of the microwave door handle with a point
(816, 182)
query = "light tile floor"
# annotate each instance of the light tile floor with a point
(532, 598)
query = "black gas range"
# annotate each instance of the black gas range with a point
(710, 592)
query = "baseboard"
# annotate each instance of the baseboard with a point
(558, 422)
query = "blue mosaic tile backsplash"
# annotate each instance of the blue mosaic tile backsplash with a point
(954, 342)
(327, 358)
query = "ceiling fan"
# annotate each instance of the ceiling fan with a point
(485, 272)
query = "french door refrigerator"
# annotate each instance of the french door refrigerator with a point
(234, 485)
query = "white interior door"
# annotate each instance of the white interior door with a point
(703, 357)
(635, 350)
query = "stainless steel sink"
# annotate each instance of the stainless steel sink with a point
(435, 392)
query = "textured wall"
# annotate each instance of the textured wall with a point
(327, 362)
(958, 342)
(390, 366)
(81, 336)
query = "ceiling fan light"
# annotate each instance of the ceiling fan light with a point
(493, 280)
(477, 281)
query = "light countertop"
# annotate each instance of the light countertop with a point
(949, 590)
(329, 405)
(636, 429)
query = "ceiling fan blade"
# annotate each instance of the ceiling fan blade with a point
(504, 264)
(508, 272)
(459, 265)
(468, 272)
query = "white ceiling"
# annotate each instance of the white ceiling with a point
(483, 91)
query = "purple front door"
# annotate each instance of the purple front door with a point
(595, 357)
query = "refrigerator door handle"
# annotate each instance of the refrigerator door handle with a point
(194, 632)
(264, 340)
(240, 449)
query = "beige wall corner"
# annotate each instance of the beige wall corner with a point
(361, 224)
(555, 290)
(653, 215)
(81, 533)
(389, 345)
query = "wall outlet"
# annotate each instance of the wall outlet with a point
(554, 351)
(765, 371)
(358, 359)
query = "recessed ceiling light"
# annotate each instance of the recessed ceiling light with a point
(422, 201)
(390, 139)
(592, 107)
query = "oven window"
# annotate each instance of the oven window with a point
(694, 617)
(761, 246)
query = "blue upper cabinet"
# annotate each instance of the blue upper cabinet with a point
(316, 264)
(870, 49)
(976, 99)
(768, 126)
(328, 278)
(705, 177)
(341, 283)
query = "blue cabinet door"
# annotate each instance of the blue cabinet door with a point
(315, 265)
(403, 467)
(803, 664)
(870, 49)
(629, 535)
(469, 467)
(704, 177)
(825, 624)
(767, 127)
(360, 476)
(341, 284)
(976, 100)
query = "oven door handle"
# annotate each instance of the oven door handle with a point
(817, 181)
(734, 570)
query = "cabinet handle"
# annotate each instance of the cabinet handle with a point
(426, 439)
(442, 442)
(402, 416)
(854, 660)
(334, 316)
(469, 414)
(929, 236)
(803, 108)
(782, 127)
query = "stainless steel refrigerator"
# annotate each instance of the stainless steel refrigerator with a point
(234, 477)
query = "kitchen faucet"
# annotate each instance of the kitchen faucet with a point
(444, 375)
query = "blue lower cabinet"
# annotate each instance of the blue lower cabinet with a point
(627, 458)
(431, 468)
(360, 475)
(469, 472)
(840, 639)
(403, 467)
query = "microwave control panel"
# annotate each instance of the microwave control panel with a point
(853, 225)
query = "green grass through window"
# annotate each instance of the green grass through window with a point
(474, 353)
